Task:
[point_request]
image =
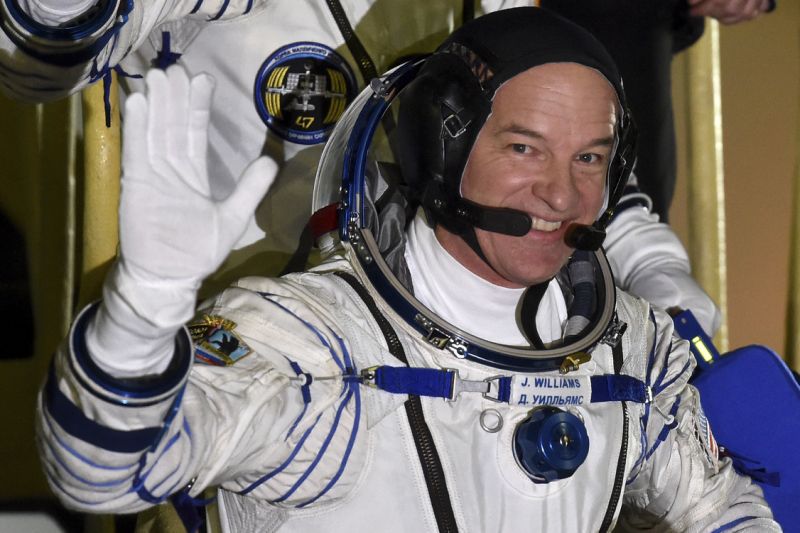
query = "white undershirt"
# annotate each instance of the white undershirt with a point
(468, 301)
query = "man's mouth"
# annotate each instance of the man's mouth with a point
(539, 224)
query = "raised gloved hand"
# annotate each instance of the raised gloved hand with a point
(173, 233)
(171, 228)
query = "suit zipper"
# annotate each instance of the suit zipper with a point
(429, 459)
(619, 479)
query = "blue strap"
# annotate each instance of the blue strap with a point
(165, 56)
(104, 74)
(439, 383)
(305, 389)
(418, 381)
(74, 422)
(188, 510)
(616, 388)
(504, 394)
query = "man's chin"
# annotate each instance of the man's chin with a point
(541, 274)
(524, 265)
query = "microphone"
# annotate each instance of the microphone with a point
(584, 237)
(518, 223)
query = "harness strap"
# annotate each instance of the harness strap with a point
(360, 54)
(467, 11)
(426, 449)
(447, 383)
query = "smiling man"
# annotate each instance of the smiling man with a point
(461, 361)
(544, 150)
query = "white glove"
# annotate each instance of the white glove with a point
(172, 232)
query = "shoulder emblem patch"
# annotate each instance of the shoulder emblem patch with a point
(706, 437)
(216, 341)
(302, 89)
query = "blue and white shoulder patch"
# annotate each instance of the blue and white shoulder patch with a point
(302, 89)
(216, 341)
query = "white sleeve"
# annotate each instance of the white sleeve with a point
(47, 52)
(106, 443)
(679, 482)
(111, 445)
(649, 261)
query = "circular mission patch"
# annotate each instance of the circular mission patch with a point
(301, 91)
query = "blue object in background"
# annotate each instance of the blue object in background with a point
(752, 400)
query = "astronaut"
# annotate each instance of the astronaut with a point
(285, 71)
(461, 360)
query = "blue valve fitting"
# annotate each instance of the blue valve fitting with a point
(550, 444)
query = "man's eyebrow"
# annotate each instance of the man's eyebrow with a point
(533, 134)
(521, 130)
(602, 141)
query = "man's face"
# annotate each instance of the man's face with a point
(544, 150)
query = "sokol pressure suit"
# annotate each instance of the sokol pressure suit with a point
(344, 398)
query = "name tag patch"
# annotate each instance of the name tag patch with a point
(550, 390)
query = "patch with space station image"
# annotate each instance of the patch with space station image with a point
(302, 89)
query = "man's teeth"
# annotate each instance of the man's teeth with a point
(544, 225)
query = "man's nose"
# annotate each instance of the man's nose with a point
(556, 187)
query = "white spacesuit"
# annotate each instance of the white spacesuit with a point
(284, 74)
(350, 398)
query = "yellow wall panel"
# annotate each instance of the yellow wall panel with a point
(37, 192)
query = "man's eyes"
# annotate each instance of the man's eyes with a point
(590, 158)
(521, 148)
